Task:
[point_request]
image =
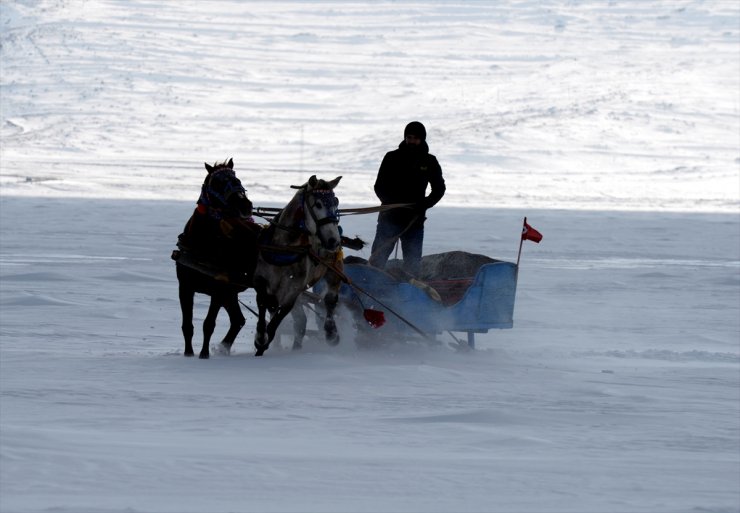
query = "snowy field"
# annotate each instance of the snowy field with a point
(613, 126)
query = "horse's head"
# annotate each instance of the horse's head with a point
(321, 211)
(223, 192)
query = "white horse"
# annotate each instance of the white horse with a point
(301, 245)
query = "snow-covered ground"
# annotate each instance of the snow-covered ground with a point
(613, 126)
(576, 104)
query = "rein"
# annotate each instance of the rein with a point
(265, 212)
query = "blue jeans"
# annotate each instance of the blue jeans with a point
(388, 231)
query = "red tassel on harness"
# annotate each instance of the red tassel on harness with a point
(374, 318)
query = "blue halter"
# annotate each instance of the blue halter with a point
(217, 201)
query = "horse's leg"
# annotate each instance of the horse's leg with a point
(331, 298)
(280, 314)
(272, 327)
(187, 296)
(231, 304)
(260, 340)
(209, 325)
(299, 324)
(330, 326)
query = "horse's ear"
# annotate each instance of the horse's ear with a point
(230, 164)
(334, 182)
(208, 168)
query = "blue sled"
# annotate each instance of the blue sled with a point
(469, 304)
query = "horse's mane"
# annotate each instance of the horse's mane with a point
(294, 205)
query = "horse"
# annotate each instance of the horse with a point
(301, 245)
(217, 252)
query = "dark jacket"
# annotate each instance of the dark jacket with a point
(404, 175)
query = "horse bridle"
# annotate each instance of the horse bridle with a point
(208, 193)
(328, 198)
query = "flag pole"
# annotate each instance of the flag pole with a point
(521, 241)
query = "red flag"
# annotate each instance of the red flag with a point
(529, 233)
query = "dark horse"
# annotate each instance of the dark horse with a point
(216, 255)
(302, 243)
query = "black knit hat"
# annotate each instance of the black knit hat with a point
(417, 129)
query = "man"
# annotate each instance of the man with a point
(403, 177)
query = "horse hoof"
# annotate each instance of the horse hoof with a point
(204, 356)
(188, 354)
(297, 347)
(332, 336)
(332, 339)
(261, 348)
(224, 349)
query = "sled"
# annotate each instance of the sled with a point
(457, 292)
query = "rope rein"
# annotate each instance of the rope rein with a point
(265, 212)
